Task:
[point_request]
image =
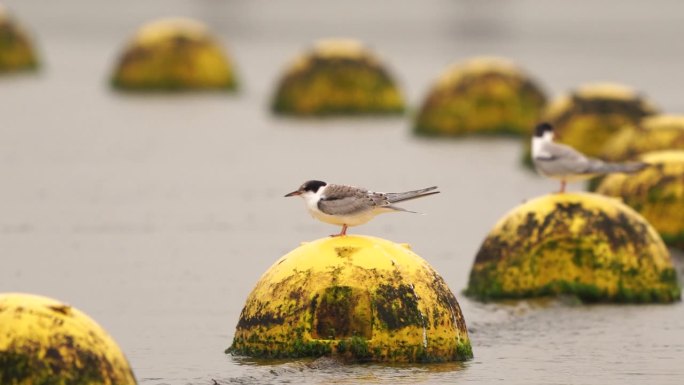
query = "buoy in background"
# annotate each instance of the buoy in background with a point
(172, 55)
(16, 49)
(357, 297)
(337, 77)
(656, 192)
(588, 116)
(582, 244)
(483, 95)
(44, 341)
(653, 133)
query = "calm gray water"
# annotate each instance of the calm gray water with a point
(156, 215)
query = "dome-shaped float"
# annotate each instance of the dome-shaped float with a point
(581, 244)
(16, 49)
(484, 95)
(171, 55)
(356, 297)
(588, 116)
(653, 133)
(43, 341)
(656, 192)
(337, 77)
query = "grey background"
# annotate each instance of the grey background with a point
(156, 215)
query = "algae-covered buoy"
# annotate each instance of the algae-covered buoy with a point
(16, 48)
(357, 297)
(337, 77)
(584, 244)
(653, 133)
(484, 95)
(43, 341)
(588, 116)
(656, 192)
(174, 54)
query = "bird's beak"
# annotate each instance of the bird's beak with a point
(294, 193)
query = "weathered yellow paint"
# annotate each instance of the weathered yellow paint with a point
(338, 48)
(588, 116)
(575, 243)
(483, 95)
(337, 77)
(161, 31)
(353, 296)
(16, 48)
(653, 133)
(656, 192)
(43, 341)
(174, 54)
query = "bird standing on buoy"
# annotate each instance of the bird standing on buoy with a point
(562, 162)
(351, 206)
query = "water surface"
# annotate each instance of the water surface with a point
(156, 215)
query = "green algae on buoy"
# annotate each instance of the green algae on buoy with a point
(587, 117)
(173, 55)
(484, 95)
(16, 49)
(657, 193)
(44, 341)
(337, 77)
(356, 297)
(582, 244)
(653, 133)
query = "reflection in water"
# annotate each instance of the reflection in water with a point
(331, 371)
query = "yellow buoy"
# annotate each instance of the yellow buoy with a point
(484, 95)
(358, 297)
(656, 192)
(337, 77)
(588, 116)
(174, 54)
(653, 133)
(43, 341)
(16, 49)
(584, 244)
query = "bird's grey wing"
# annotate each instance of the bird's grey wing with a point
(348, 200)
(558, 159)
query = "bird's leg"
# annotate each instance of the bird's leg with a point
(343, 232)
(562, 188)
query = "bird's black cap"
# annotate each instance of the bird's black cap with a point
(312, 185)
(542, 128)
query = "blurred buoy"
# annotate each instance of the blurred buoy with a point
(656, 192)
(653, 133)
(357, 297)
(582, 244)
(174, 54)
(16, 48)
(337, 77)
(43, 341)
(587, 117)
(484, 95)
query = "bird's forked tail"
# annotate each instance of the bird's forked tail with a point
(408, 195)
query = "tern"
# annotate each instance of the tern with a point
(348, 206)
(562, 162)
